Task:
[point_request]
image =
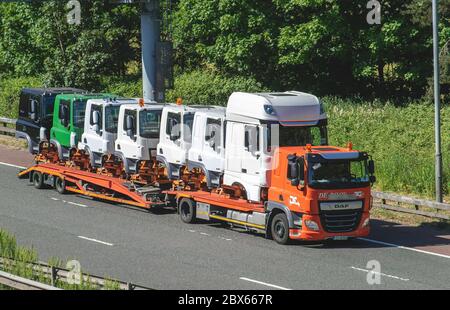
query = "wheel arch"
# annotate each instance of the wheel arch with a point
(273, 208)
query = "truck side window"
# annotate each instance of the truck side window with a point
(99, 109)
(252, 138)
(24, 108)
(173, 124)
(213, 133)
(63, 104)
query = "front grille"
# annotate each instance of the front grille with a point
(338, 221)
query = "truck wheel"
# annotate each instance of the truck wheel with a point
(187, 210)
(280, 228)
(38, 180)
(60, 186)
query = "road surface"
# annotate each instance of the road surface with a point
(159, 251)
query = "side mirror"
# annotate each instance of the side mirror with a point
(301, 164)
(129, 126)
(295, 182)
(33, 114)
(174, 136)
(95, 117)
(372, 179)
(371, 167)
(129, 122)
(292, 174)
(247, 140)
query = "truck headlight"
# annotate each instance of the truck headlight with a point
(311, 225)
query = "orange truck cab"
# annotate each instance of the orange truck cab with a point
(315, 193)
(323, 192)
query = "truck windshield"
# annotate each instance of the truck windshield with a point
(149, 122)
(79, 108)
(338, 174)
(112, 118)
(302, 135)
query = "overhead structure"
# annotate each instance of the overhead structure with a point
(150, 34)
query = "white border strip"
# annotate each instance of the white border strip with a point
(95, 240)
(405, 248)
(266, 284)
(11, 165)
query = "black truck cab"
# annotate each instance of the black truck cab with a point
(36, 112)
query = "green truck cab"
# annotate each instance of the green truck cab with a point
(68, 120)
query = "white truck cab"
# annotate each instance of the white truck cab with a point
(138, 133)
(257, 123)
(207, 150)
(175, 137)
(100, 128)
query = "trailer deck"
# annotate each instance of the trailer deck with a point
(97, 185)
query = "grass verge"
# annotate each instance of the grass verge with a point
(23, 256)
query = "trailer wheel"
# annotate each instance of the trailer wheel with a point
(186, 207)
(280, 228)
(38, 180)
(60, 185)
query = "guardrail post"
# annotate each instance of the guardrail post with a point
(53, 272)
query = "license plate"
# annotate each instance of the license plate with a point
(340, 238)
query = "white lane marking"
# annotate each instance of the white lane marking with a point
(266, 284)
(193, 231)
(70, 202)
(223, 238)
(379, 273)
(11, 165)
(77, 204)
(204, 234)
(404, 247)
(95, 240)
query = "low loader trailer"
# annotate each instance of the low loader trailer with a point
(316, 193)
(70, 179)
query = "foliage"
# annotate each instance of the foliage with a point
(322, 46)
(400, 139)
(209, 87)
(17, 261)
(37, 40)
(130, 87)
(9, 94)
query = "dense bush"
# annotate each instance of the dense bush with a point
(10, 91)
(208, 87)
(129, 88)
(400, 139)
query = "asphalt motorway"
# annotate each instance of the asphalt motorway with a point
(159, 251)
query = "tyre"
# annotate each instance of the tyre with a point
(60, 185)
(186, 208)
(280, 228)
(38, 180)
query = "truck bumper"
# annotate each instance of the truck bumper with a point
(305, 233)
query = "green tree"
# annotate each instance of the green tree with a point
(236, 36)
(37, 40)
